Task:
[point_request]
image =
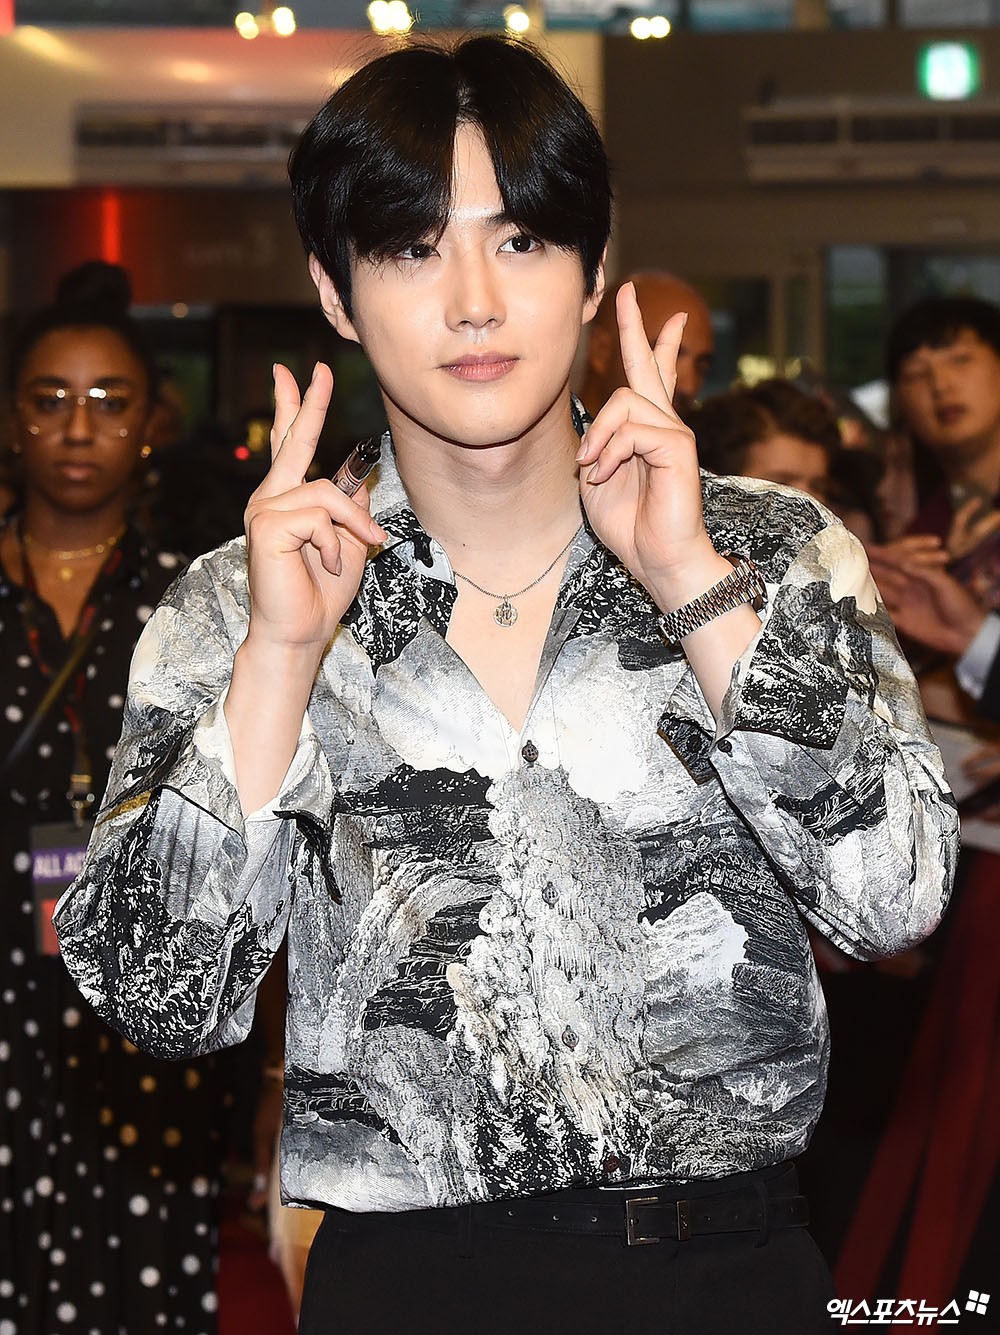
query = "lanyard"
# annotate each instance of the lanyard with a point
(81, 780)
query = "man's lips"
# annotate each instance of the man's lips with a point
(949, 413)
(481, 366)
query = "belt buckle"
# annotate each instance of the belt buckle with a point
(633, 1238)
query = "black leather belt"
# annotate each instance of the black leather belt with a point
(638, 1220)
(647, 1218)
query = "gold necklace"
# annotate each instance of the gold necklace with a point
(66, 572)
(505, 613)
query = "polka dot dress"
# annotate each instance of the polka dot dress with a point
(109, 1160)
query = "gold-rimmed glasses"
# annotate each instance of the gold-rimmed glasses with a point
(46, 408)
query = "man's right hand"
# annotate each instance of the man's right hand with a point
(307, 542)
(306, 549)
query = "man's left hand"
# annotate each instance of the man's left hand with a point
(639, 475)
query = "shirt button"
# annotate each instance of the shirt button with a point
(725, 747)
(611, 1164)
(550, 894)
(529, 752)
(570, 1037)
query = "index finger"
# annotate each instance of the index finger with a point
(642, 367)
(297, 426)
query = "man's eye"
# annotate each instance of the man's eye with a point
(420, 250)
(521, 244)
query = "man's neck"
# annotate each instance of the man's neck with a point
(500, 509)
(977, 468)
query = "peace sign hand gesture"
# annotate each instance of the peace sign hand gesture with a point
(306, 541)
(639, 474)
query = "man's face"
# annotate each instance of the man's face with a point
(472, 335)
(694, 360)
(660, 296)
(792, 461)
(950, 397)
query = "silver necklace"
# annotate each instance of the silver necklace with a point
(505, 613)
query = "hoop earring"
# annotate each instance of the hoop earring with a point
(34, 429)
(123, 432)
(145, 452)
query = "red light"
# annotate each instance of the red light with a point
(111, 227)
(6, 15)
(241, 452)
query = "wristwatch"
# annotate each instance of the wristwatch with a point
(744, 584)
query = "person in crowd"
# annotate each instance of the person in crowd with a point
(567, 743)
(660, 296)
(943, 362)
(109, 1159)
(926, 1217)
(780, 433)
(944, 372)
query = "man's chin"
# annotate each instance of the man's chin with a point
(491, 424)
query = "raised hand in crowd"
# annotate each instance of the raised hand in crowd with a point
(974, 521)
(926, 603)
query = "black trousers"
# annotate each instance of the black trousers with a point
(371, 1275)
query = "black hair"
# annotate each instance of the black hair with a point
(372, 172)
(94, 294)
(936, 322)
(727, 425)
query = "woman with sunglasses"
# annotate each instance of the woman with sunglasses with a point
(108, 1158)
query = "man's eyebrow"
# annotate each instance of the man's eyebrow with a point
(501, 219)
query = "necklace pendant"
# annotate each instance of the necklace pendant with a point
(505, 613)
(65, 574)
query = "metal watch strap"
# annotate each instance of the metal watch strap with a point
(743, 584)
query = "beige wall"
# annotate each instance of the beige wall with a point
(673, 127)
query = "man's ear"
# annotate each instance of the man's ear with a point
(592, 302)
(329, 300)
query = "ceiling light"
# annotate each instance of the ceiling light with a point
(283, 21)
(516, 19)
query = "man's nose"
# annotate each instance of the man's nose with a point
(475, 298)
(941, 378)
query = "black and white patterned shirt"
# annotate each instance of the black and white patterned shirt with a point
(522, 962)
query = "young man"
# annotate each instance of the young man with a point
(944, 368)
(537, 799)
(943, 359)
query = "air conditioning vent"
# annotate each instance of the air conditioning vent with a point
(197, 145)
(100, 133)
(816, 130)
(895, 129)
(982, 129)
(851, 139)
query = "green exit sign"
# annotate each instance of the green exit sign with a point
(948, 71)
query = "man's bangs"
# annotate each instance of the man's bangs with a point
(372, 173)
(401, 203)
